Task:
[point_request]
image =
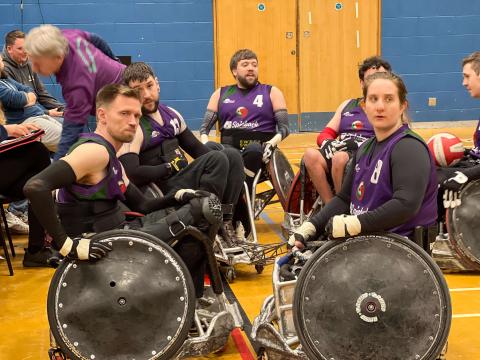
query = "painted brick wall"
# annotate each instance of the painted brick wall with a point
(174, 36)
(425, 42)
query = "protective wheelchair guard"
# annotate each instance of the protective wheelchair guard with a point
(280, 173)
(459, 250)
(347, 304)
(120, 294)
(302, 202)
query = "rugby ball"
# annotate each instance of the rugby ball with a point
(446, 149)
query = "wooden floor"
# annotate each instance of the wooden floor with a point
(23, 321)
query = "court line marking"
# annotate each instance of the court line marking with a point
(464, 289)
(460, 316)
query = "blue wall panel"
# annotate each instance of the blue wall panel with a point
(174, 36)
(426, 41)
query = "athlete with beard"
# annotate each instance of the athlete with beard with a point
(156, 153)
(253, 116)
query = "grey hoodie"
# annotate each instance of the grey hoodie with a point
(25, 75)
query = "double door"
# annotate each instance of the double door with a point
(309, 49)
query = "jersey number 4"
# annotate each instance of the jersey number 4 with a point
(258, 100)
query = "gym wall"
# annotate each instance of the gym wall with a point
(424, 40)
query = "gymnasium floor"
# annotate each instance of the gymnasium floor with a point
(24, 332)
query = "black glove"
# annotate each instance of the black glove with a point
(183, 196)
(84, 249)
(165, 171)
(456, 182)
(331, 146)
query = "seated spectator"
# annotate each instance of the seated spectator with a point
(22, 163)
(19, 68)
(20, 106)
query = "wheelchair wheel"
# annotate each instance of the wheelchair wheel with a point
(137, 303)
(372, 297)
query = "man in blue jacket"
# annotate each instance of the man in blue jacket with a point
(19, 104)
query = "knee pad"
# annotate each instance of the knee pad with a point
(208, 208)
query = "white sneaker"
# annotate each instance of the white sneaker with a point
(15, 224)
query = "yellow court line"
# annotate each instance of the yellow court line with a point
(464, 289)
(460, 316)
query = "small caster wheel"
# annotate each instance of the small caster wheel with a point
(262, 354)
(56, 354)
(230, 274)
(259, 268)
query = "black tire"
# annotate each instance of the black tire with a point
(317, 301)
(121, 236)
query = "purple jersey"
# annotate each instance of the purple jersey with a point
(111, 187)
(154, 133)
(354, 122)
(372, 184)
(475, 152)
(250, 110)
(85, 70)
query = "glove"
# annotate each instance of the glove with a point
(456, 182)
(302, 234)
(269, 146)
(451, 199)
(183, 196)
(330, 147)
(341, 226)
(267, 152)
(165, 171)
(84, 249)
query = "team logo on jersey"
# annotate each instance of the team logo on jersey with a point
(155, 133)
(115, 171)
(357, 125)
(357, 168)
(227, 125)
(360, 191)
(242, 112)
(122, 186)
(228, 101)
(348, 114)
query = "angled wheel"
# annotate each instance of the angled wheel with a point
(368, 297)
(137, 303)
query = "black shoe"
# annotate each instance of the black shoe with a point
(47, 257)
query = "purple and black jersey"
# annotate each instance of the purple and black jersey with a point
(372, 183)
(250, 110)
(154, 133)
(354, 123)
(111, 187)
(85, 70)
(475, 152)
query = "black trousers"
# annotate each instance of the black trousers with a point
(206, 172)
(19, 165)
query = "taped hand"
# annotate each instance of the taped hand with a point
(341, 226)
(84, 249)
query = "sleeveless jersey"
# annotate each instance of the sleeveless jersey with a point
(354, 123)
(250, 110)
(372, 184)
(111, 187)
(154, 133)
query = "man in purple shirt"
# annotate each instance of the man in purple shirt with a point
(82, 63)
(253, 116)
